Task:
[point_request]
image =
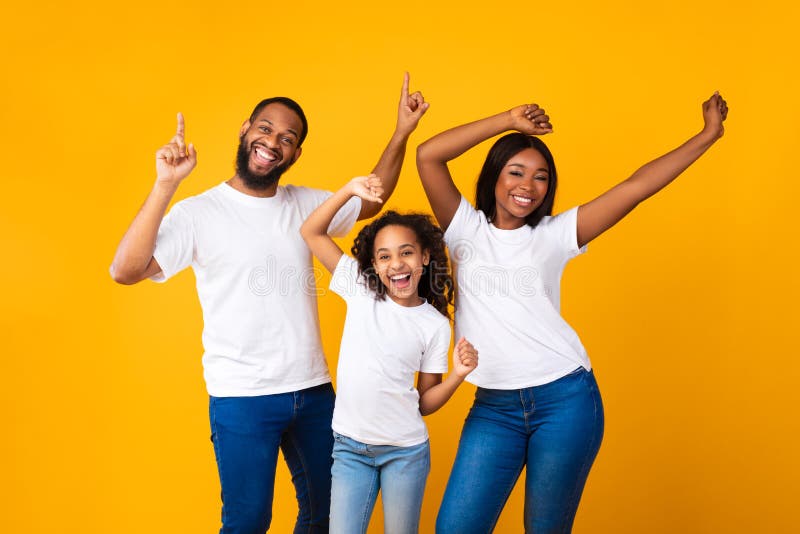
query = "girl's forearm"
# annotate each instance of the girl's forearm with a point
(436, 396)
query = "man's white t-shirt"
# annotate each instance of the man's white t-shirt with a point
(383, 346)
(508, 299)
(256, 285)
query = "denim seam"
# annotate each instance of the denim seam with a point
(218, 451)
(509, 489)
(373, 496)
(303, 463)
(573, 505)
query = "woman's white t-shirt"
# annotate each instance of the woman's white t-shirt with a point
(508, 298)
(383, 346)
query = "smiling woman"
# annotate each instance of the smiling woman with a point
(531, 357)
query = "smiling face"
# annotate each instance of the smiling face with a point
(268, 146)
(399, 260)
(521, 188)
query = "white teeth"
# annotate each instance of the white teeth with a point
(522, 200)
(265, 155)
(399, 276)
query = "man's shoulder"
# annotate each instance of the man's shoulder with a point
(301, 192)
(211, 194)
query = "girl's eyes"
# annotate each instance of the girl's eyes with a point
(542, 177)
(515, 173)
(385, 257)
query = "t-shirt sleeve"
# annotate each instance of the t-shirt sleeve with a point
(345, 279)
(345, 218)
(435, 358)
(310, 199)
(465, 223)
(564, 228)
(175, 243)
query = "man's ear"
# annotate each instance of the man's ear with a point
(245, 127)
(297, 153)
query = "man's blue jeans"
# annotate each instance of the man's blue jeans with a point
(247, 433)
(361, 470)
(553, 430)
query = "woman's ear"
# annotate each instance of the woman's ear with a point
(426, 257)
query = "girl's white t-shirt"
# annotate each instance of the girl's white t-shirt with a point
(508, 298)
(383, 346)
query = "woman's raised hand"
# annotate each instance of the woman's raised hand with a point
(530, 119)
(715, 111)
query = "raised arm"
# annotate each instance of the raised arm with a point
(608, 209)
(433, 393)
(433, 154)
(315, 229)
(410, 110)
(134, 260)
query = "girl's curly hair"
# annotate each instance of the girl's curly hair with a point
(436, 283)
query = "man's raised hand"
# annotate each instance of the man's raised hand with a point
(411, 109)
(174, 161)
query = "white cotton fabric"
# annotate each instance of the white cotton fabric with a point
(383, 346)
(255, 283)
(508, 298)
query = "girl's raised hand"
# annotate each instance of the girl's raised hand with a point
(465, 358)
(715, 111)
(368, 188)
(530, 119)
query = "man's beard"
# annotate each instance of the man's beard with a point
(252, 180)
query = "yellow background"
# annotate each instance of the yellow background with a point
(687, 308)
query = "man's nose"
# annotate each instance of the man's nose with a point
(271, 140)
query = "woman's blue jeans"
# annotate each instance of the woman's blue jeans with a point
(553, 430)
(360, 470)
(247, 433)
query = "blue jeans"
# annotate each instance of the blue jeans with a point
(360, 470)
(554, 430)
(247, 433)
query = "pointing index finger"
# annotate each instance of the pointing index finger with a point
(181, 128)
(404, 91)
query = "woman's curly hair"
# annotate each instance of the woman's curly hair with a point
(436, 283)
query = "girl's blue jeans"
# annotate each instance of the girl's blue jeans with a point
(361, 470)
(247, 433)
(553, 430)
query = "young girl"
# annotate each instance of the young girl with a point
(537, 404)
(381, 443)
